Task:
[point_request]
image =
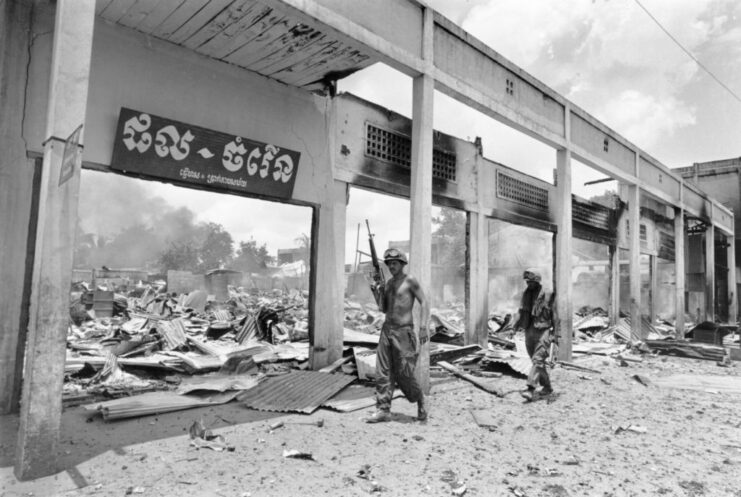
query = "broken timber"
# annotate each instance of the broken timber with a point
(471, 379)
(450, 354)
(688, 349)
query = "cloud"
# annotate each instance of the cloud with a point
(604, 55)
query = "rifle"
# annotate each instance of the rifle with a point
(377, 287)
(553, 351)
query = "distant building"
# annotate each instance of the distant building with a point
(286, 256)
(722, 178)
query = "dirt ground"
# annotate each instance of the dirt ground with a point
(604, 434)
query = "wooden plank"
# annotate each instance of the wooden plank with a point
(101, 5)
(180, 16)
(353, 59)
(160, 11)
(452, 354)
(199, 20)
(294, 45)
(235, 34)
(258, 46)
(115, 10)
(289, 59)
(293, 73)
(485, 386)
(335, 365)
(138, 12)
(241, 13)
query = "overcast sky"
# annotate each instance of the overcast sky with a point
(606, 56)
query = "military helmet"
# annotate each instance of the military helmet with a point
(393, 254)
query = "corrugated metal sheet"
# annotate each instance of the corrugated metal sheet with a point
(296, 391)
(355, 397)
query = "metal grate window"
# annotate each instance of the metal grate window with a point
(666, 246)
(522, 192)
(397, 149)
(591, 214)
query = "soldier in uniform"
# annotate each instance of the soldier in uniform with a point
(536, 319)
(398, 345)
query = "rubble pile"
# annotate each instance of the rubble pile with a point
(157, 336)
(154, 344)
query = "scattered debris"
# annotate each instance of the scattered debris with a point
(633, 428)
(471, 379)
(642, 380)
(201, 437)
(296, 454)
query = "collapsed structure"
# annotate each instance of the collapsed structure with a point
(239, 97)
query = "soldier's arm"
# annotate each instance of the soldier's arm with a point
(424, 315)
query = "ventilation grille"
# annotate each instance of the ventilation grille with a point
(594, 215)
(666, 246)
(396, 148)
(521, 192)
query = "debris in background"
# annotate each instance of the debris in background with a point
(295, 454)
(300, 391)
(203, 438)
(471, 379)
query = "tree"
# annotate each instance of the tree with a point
(304, 245)
(216, 247)
(450, 237)
(251, 257)
(179, 256)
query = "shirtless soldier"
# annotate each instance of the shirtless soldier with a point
(398, 346)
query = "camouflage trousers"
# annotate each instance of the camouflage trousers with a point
(396, 359)
(538, 344)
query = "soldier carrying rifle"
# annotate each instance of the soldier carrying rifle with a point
(398, 345)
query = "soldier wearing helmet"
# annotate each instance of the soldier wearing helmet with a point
(398, 345)
(536, 320)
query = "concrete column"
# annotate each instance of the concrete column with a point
(614, 310)
(16, 185)
(477, 281)
(732, 297)
(653, 270)
(52, 273)
(634, 242)
(420, 244)
(563, 243)
(679, 269)
(710, 272)
(328, 253)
